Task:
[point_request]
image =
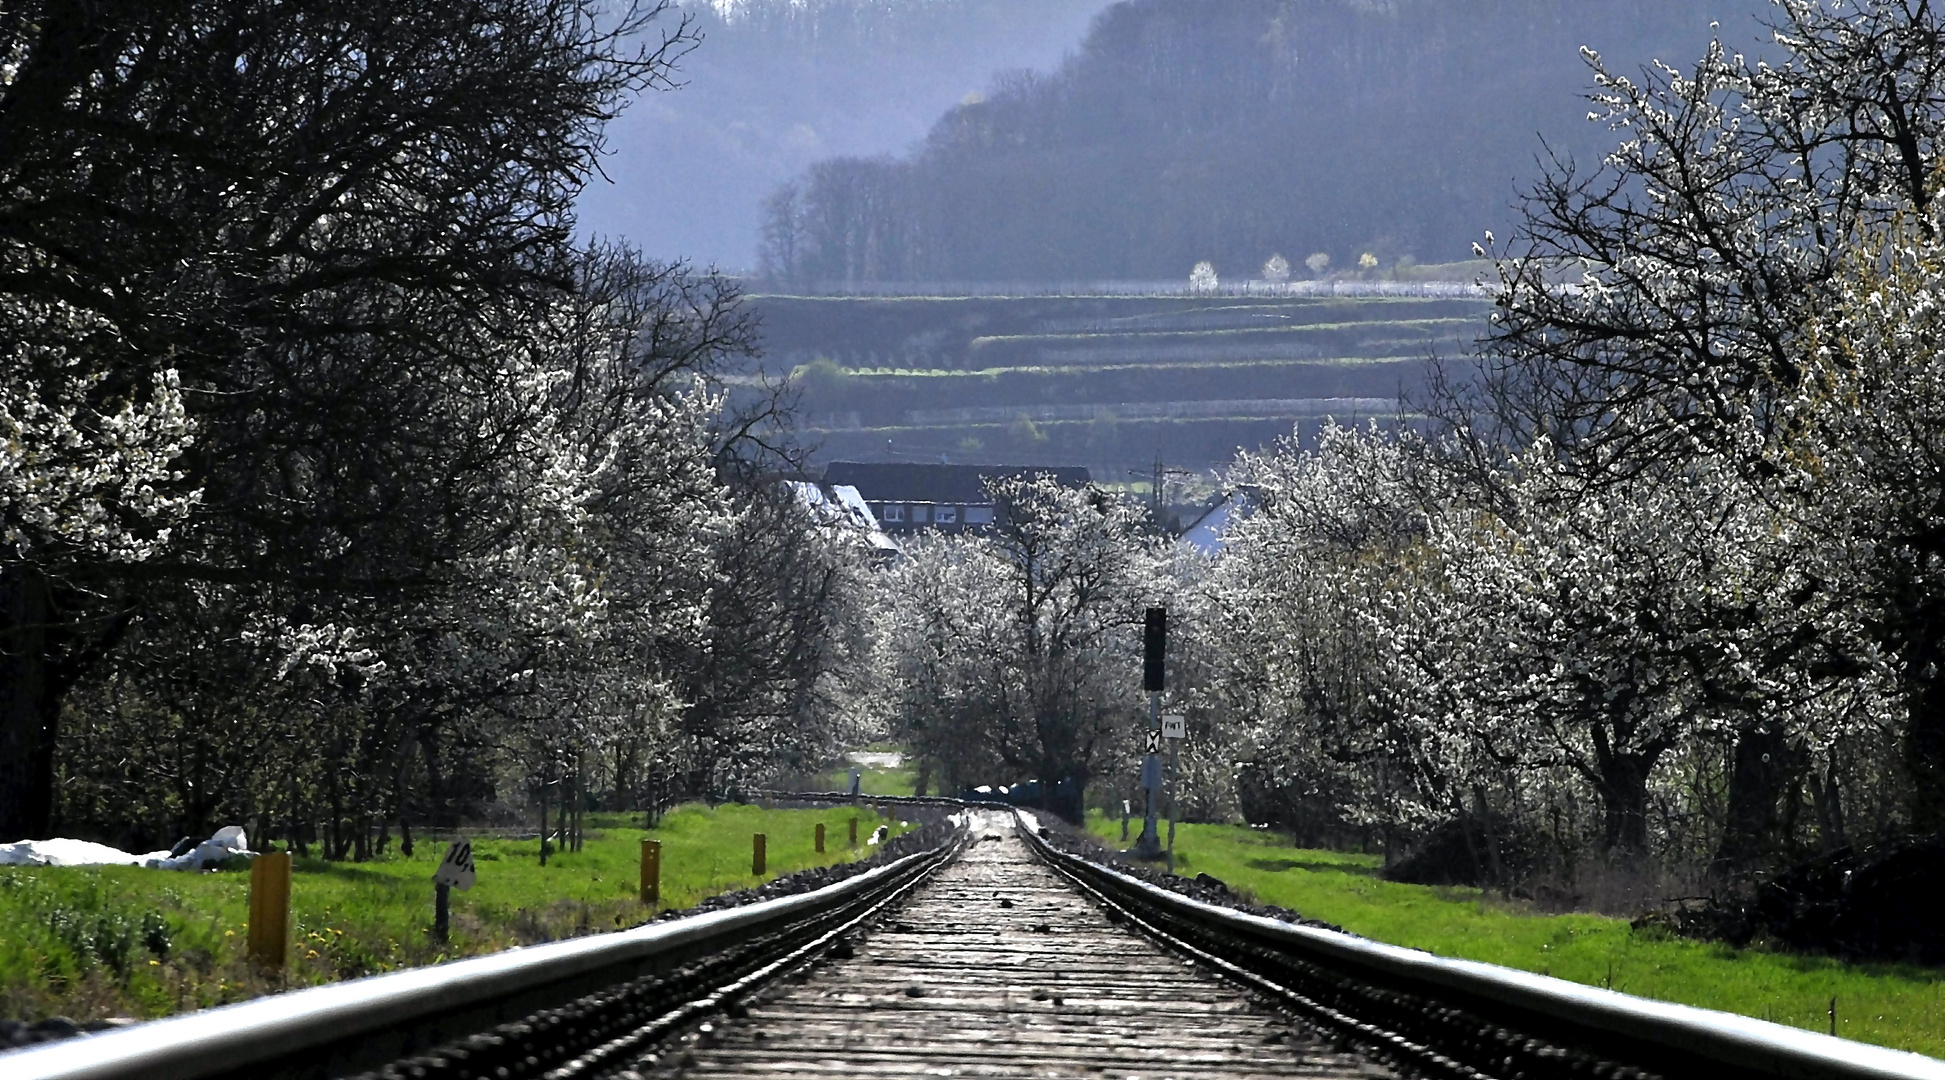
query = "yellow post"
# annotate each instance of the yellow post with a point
(651, 872)
(757, 842)
(854, 832)
(820, 838)
(269, 933)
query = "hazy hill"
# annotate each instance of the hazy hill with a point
(1229, 131)
(779, 84)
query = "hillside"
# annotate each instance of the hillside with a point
(1110, 382)
(1400, 130)
(779, 84)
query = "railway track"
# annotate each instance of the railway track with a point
(999, 968)
(993, 954)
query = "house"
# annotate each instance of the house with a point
(909, 498)
(1209, 533)
(840, 508)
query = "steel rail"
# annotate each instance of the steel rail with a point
(360, 1024)
(728, 994)
(1624, 1030)
(1418, 1057)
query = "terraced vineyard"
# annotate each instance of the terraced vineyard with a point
(1110, 382)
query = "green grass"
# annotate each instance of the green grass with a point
(875, 780)
(1893, 1005)
(90, 942)
(991, 340)
(1001, 430)
(885, 373)
(871, 375)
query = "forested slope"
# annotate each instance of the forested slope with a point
(1229, 132)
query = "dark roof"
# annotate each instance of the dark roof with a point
(960, 484)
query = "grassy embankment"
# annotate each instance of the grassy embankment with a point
(89, 942)
(1890, 1004)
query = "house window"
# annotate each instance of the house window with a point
(947, 515)
(921, 514)
(894, 512)
(979, 515)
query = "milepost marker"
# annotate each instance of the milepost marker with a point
(455, 872)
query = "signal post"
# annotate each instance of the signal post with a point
(1154, 650)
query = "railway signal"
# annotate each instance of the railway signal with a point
(1154, 650)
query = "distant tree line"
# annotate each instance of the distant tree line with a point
(339, 488)
(1231, 133)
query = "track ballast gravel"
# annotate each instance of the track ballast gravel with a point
(996, 968)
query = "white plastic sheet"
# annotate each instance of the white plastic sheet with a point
(63, 852)
(228, 842)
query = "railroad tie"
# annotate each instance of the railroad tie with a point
(997, 969)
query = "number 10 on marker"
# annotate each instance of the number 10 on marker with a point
(456, 869)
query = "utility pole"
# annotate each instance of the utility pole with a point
(1174, 730)
(1157, 487)
(1154, 650)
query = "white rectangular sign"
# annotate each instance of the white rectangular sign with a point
(1175, 727)
(456, 869)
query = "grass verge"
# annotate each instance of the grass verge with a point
(1894, 1005)
(875, 779)
(92, 942)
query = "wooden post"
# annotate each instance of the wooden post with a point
(757, 843)
(854, 832)
(441, 912)
(820, 838)
(269, 932)
(651, 872)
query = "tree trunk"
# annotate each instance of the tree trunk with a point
(543, 824)
(1925, 734)
(1757, 775)
(1067, 798)
(1495, 865)
(1623, 784)
(438, 808)
(29, 707)
(1824, 792)
(579, 798)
